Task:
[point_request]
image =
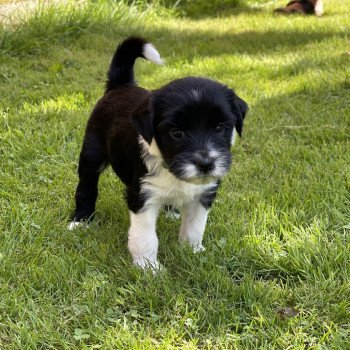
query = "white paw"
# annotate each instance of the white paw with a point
(146, 264)
(76, 224)
(198, 248)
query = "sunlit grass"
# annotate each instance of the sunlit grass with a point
(278, 233)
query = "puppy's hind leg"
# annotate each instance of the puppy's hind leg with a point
(91, 163)
(194, 218)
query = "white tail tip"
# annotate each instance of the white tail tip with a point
(151, 53)
(319, 8)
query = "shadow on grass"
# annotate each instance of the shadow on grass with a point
(211, 43)
(209, 10)
(36, 40)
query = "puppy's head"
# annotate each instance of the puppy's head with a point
(191, 124)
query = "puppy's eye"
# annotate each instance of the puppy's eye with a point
(177, 134)
(219, 128)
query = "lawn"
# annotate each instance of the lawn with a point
(276, 270)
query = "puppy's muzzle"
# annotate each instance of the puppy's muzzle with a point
(204, 163)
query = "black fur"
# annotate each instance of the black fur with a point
(205, 111)
(209, 196)
(121, 70)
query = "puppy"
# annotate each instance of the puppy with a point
(170, 146)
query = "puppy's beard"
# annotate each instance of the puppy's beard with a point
(204, 180)
(182, 168)
(191, 174)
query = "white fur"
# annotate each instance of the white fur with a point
(153, 150)
(169, 183)
(220, 168)
(151, 53)
(212, 152)
(319, 8)
(233, 137)
(190, 170)
(76, 224)
(142, 238)
(162, 187)
(193, 225)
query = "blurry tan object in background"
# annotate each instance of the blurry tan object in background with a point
(304, 7)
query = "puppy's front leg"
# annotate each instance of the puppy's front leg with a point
(142, 239)
(194, 218)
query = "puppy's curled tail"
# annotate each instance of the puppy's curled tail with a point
(121, 70)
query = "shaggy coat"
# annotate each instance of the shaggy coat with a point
(170, 146)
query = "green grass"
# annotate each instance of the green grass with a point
(276, 272)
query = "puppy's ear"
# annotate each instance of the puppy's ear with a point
(239, 108)
(142, 120)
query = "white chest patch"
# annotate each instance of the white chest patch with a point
(164, 188)
(161, 187)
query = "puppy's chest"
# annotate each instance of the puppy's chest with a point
(165, 188)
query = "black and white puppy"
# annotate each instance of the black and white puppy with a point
(170, 146)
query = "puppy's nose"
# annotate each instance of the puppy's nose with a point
(205, 164)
